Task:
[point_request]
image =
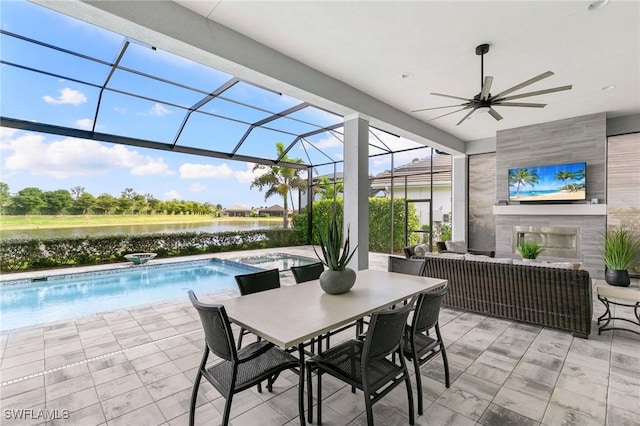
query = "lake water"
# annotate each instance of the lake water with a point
(211, 226)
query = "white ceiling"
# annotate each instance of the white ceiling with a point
(370, 45)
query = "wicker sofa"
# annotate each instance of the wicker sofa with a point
(551, 297)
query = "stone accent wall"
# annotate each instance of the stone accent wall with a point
(482, 195)
(565, 141)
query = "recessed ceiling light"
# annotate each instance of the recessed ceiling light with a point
(407, 74)
(609, 87)
(598, 4)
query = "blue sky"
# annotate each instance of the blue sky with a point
(53, 162)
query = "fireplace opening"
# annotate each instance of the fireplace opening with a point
(556, 242)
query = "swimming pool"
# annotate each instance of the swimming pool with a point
(282, 261)
(26, 303)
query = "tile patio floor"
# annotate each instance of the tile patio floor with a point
(136, 367)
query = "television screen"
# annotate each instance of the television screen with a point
(559, 182)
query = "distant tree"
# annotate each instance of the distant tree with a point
(327, 189)
(105, 203)
(57, 202)
(5, 197)
(28, 200)
(280, 180)
(77, 191)
(126, 201)
(84, 203)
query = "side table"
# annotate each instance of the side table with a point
(630, 295)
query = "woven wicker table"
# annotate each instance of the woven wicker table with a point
(630, 295)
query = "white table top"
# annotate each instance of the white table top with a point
(291, 315)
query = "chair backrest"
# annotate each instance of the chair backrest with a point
(428, 309)
(258, 281)
(409, 251)
(217, 329)
(406, 266)
(385, 332)
(307, 272)
(442, 247)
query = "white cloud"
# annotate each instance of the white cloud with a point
(74, 157)
(197, 187)
(120, 110)
(158, 110)
(172, 195)
(330, 142)
(67, 96)
(85, 123)
(205, 171)
(248, 175)
(6, 133)
(152, 166)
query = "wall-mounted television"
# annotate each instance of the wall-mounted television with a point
(558, 183)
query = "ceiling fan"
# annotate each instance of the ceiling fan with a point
(486, 101)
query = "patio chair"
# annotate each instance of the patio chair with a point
(306, 273)
(238, 370)
(365, 364)
(254, 283)
(406, 266)
(418, 345)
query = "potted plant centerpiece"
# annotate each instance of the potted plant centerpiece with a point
(337, 279)
(529, 249)
(620, 246)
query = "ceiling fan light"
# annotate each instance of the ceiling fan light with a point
(598, 4)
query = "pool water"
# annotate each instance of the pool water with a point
(70, 296)
(282, 261)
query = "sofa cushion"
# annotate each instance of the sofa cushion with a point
(482, 258)
(456, 246)
(420, 250)
(560, 265)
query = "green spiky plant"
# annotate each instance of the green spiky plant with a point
(620, 246)
(529, 249)
(334, 255)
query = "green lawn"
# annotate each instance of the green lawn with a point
(14, 223)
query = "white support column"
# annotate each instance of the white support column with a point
(459, 198)
(356, 187)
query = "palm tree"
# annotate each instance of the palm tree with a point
(564, 177)
(280, 180)
(522, 177)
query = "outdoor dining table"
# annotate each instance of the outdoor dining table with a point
(290, 316)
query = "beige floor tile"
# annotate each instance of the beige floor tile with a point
(158, 372)
(463, 403)
(148, 415)
(587, 406)
(168, 386)
(118, 386)
(125, 403)
(75, 401)
(521, 403)
(111, 373)
(439, 415)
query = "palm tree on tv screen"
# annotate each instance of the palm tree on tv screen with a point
(564, 177)
(522, 177)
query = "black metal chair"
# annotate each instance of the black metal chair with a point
(365, 365)
(419, 346)
(406, 266)
(306, 273)
(238, 370)
(254, 283)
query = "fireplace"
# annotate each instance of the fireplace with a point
(556, 242)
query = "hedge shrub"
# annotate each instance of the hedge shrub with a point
(379, 222)
(21, 255)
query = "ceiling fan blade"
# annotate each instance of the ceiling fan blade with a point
(429, 109)
(452, 97)
(525, 84)
(495, 114)
(536, 93)
(486, 87)
(520, 104)
(466, 116)
(449, 113)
